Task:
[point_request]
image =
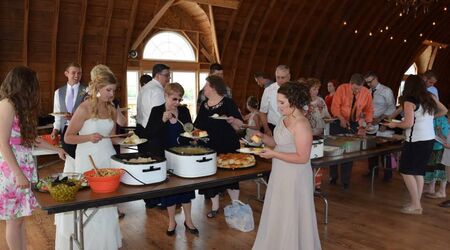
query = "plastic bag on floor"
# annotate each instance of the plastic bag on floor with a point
(239, 215)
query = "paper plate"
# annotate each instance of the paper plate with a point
(219, 117)
(141, 140)
(249, 150)
(59, 113)
(189, 135)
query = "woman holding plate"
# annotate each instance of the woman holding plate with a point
(163, 131)
(221, 132)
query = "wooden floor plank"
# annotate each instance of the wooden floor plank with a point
(358, 219)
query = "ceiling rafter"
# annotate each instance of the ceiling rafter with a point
(26, 16)
(54, 43)
(152, 24)
(213, 33)
(109, 13)
(229, 4)
(81, 34)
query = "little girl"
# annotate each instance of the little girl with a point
(446, 162)
(19, 102)
(253, 120)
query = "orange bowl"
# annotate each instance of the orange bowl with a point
(104, 184)
(48, 138)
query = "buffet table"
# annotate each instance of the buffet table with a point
(86, 199)
(327, 161)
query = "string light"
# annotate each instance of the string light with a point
(420, 34)
(445, 8)
(381, 30)
(356, 31)
(434, 23)
(400, 14)
(370, 33)
(387, 27)
(404, 40)
(392, 38)
(345, 23)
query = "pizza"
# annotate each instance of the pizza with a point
(235, 160)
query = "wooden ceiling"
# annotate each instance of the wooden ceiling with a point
(308, 35)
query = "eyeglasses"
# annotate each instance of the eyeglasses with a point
(369, 81)
(177, 99)
(166, 75)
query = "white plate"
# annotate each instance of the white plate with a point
(189, 135)
(219, 117)
(60, 114)
(141, 140)
(249, 150)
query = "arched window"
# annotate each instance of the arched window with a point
(169, 45)
(412, 70)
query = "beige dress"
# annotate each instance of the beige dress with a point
(288, 219)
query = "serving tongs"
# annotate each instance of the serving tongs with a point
(252, 144)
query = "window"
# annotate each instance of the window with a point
(411, 71)
(168, 45)
(187, 80)
(132, 89)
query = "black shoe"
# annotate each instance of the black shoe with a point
(445, 203)
(191, 230)
(172, 232)
(333, 181)
(212, 213)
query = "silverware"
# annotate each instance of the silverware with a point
(188, 127)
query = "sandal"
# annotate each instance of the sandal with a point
(435, 196)
(212, 213)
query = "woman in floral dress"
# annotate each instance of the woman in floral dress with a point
(19, 102)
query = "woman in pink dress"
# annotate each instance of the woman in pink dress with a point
(19, 103)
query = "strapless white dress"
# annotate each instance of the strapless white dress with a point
(103, 231)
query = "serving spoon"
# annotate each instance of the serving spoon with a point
(188, 127)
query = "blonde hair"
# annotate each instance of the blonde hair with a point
(101, 76)
(174, 87)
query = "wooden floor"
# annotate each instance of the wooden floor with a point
(358, 219)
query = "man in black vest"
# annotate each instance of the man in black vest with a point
(67, 99)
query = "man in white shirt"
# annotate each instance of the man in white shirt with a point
(430, 79)
(67, 99)
(383, 102)
(152, 94)
(269, 108)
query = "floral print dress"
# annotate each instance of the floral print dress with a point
(16, 202)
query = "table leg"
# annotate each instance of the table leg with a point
(258, 182)
(379, 167)
(78, 227)
(320, 194)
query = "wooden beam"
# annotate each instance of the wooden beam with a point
(206, 54)
(54, 43)
(81, 34)
(131, 21)
(189, 40)
(213, 33)
(151, 24)
(26, 15)
(109, 13)
(228, 32)
(178, 30)
(229, 4)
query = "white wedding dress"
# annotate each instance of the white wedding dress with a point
(103, 231)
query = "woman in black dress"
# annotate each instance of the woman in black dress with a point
(222, 133)
(163, 132)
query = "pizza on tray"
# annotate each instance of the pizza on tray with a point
(235, 160)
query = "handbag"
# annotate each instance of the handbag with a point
(239, 215)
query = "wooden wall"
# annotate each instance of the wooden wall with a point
(309, 36)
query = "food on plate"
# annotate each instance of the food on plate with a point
(199, 133)
(235, 160)
(256, 139)
(215, 116)
(256, 150)
(64, 189)
(140, 160)
(132, 139)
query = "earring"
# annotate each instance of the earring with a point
(98, 94)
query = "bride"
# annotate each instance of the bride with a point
(92, 121)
